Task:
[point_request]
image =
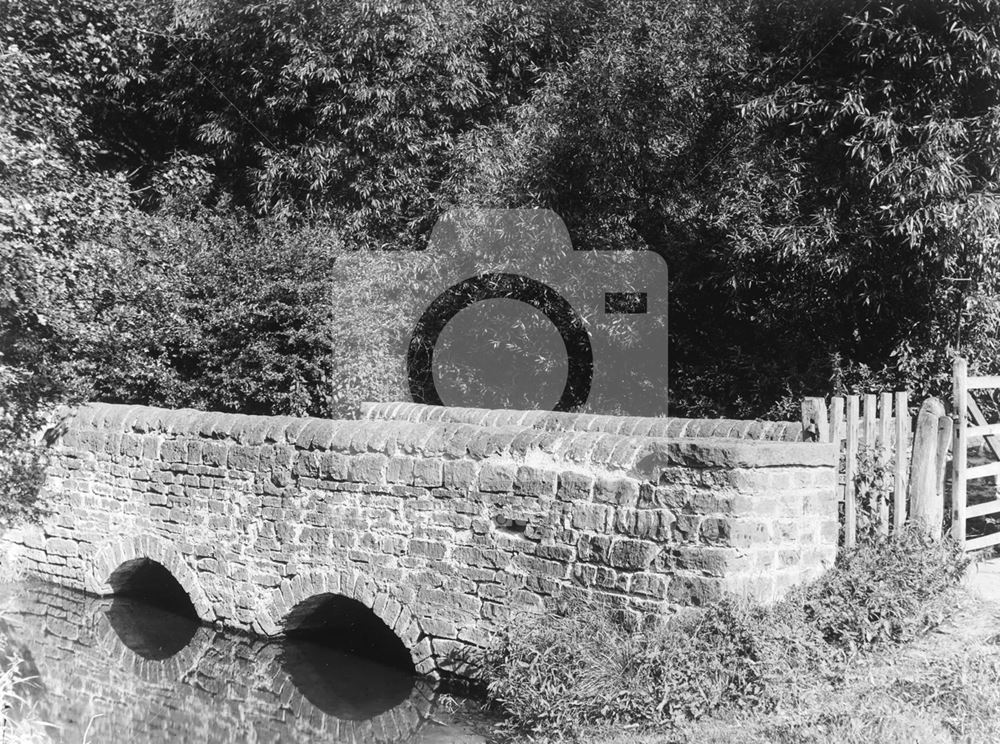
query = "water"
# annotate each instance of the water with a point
(118, 669)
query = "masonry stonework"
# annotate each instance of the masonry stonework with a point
(670, 427)
(442, 529)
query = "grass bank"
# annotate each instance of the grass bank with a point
(790, 672)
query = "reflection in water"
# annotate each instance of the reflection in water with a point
(120, 670)
(349, 687)
(150, 632)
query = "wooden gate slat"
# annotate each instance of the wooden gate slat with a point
(900, 461)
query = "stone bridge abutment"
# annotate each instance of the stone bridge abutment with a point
(440, 529)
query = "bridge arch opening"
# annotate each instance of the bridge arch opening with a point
(347, 625)
(344, 658)
(151, 612)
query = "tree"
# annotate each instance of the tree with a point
(881, 124)
(53, 216)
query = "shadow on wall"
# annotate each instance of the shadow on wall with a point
(150, 582)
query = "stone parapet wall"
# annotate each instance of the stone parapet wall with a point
(668, 427)
(442, 529)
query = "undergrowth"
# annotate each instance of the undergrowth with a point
(557, 675)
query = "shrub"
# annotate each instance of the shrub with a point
(873, 486)
(220, 311)
(555, 675)
(581, 666)
(885, 591)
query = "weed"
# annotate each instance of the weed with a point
(580, 667)
(888, 590)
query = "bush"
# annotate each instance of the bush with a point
(581, 666)
(884, 592)
(553, 676)
(220, 311)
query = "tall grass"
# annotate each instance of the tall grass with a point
(19, 723)
(558, 675)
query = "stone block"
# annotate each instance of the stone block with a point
(399, 469)
(611, 580)
(334, 466)
(535, 566)
(649, 585)
(593, 548)
(131, 445)
(242, 457)
(193, 453)
(62, 547)
(459, 475)
(575, 486)
(214, 454)
(714, 531)
(747, 533)
(368, 468)
(686, 527)
(591, 517)
(583, 574)
(497, 477)
(428, 473)
(620, 491)
(151, 447)
(564, 553)
(632, 554)
(713, 561)
(691, 590)
(308, 464)
(427, 549)
(532, 481)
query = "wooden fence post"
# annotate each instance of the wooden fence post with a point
(960, 455)
(870, 418)
(814, 423)
(945, 434)
(899, 462)
(850, 467)
(837, 420)
(885, 448)
(926, 501)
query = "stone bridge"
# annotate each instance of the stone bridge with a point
(441, 529)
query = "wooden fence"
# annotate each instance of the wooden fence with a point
(883, 423)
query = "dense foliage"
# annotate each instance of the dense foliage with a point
(196, 198)
(580, 666)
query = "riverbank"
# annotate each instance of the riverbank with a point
(942, 688)
(856, 656)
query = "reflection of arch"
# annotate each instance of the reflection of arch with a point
(341, 684)
(114, 552)
(247, 673)
(110, 644)
(292, 592)
(151, 632)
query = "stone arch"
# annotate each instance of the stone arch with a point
(297, 589)
(116, 551)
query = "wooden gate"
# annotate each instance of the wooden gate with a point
(970, 422)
